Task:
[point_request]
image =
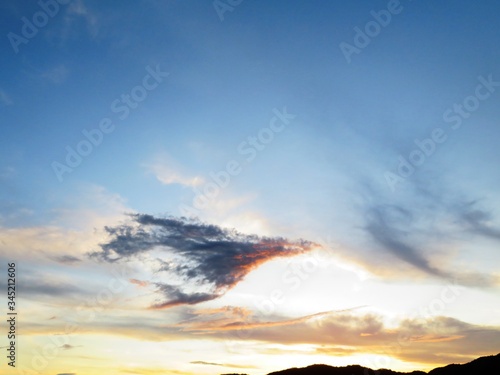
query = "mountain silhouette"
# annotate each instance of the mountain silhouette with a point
(479, 366)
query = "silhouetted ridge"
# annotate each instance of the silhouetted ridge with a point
(482, 365)
(331, 370)
(479, 366)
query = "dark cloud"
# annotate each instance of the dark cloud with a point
(66, 259)
(380, 225)
(479, 221)
(176, 297)
(39, 286)
(213, 259)
(49, 288)
(205, 363)
(68, 346)
(412, 232)
(423, 228)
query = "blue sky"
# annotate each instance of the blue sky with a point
(314, 139)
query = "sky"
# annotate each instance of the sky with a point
(236, 186)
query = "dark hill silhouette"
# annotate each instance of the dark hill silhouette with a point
(347, 370)
(480, 366)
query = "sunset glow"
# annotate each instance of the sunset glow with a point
(242, 187)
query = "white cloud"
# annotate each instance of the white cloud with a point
(168, 172)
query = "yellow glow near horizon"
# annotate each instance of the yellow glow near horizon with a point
(117, 355)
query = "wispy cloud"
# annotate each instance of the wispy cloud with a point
(426, 339)
(391, 228)
(139, 283)
(231, 365)
(479, 221)
(423, 228)
(78, 20)
(233, 323)
(168, 172)
(66, 259)
(390, 238)
(5, 99)
(205, 256)
(56, 75)
(69, 347)
(8, 171)
(79, 9)
(38, 286)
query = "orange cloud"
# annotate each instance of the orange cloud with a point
(140, 283)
